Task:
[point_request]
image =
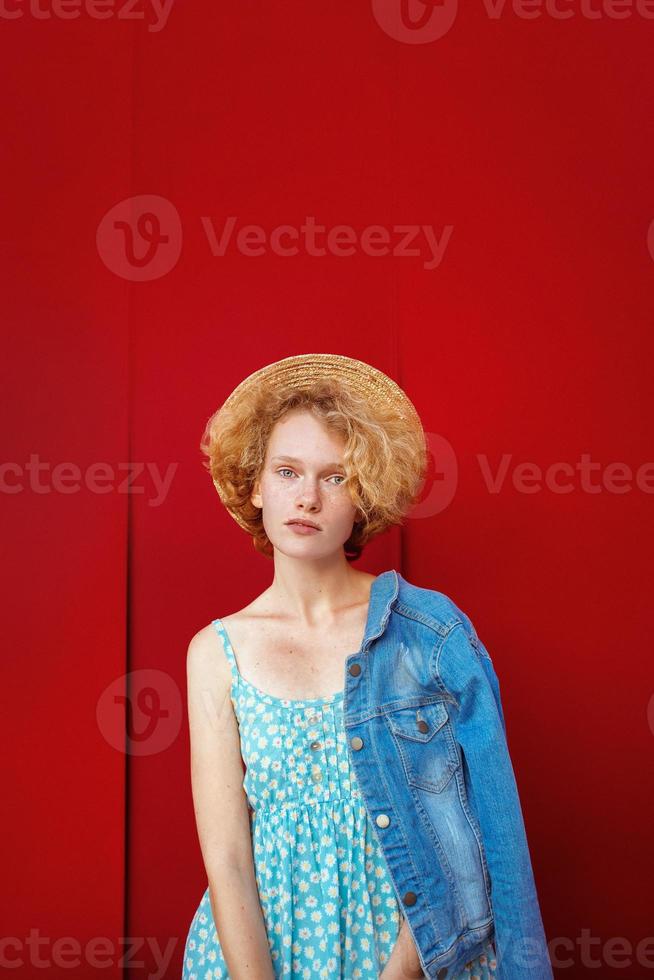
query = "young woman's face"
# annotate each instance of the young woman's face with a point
(302, 480)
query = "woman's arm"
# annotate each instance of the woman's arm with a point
(239, 922)
(403, 963)
(221, 811)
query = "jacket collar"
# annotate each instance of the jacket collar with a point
(383, 593)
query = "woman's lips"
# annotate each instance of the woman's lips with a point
(303, 529)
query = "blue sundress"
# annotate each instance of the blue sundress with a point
(326, 894)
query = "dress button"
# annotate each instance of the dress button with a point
(355, 670)
(315, 745)
(410, 898)
(423, 726)
(382, 820)
(316, 776)
(356, 743)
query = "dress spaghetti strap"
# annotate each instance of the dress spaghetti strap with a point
(227, 647)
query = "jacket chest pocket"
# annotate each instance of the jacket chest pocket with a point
(425, 743)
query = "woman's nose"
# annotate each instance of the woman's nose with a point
(309, 495)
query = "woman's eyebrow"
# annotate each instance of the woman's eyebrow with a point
(293, 459)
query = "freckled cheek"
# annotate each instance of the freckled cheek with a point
(277, 497)
(343, 512)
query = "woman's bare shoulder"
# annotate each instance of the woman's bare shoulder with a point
(206, 653)
(206, 660)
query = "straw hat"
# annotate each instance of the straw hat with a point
(302, 370)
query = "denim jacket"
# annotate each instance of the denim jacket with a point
(427, 741)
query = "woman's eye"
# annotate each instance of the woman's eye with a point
(337, 476)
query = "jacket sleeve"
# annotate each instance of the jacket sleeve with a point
(467, 672)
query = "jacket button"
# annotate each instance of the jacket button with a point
(410, 898)
(356, 743)
(442, 973)
(382, 820)
(355, 670)
(423, 726)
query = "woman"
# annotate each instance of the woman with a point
(314, 456)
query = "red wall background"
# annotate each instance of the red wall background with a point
(524, 141)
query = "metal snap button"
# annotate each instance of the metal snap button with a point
(382, 820)
(356, 743)
(442, 973)
(410, 898)
(423, 726)
(355, 669)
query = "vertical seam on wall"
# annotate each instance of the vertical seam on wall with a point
(395, 277)
(129, 518)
